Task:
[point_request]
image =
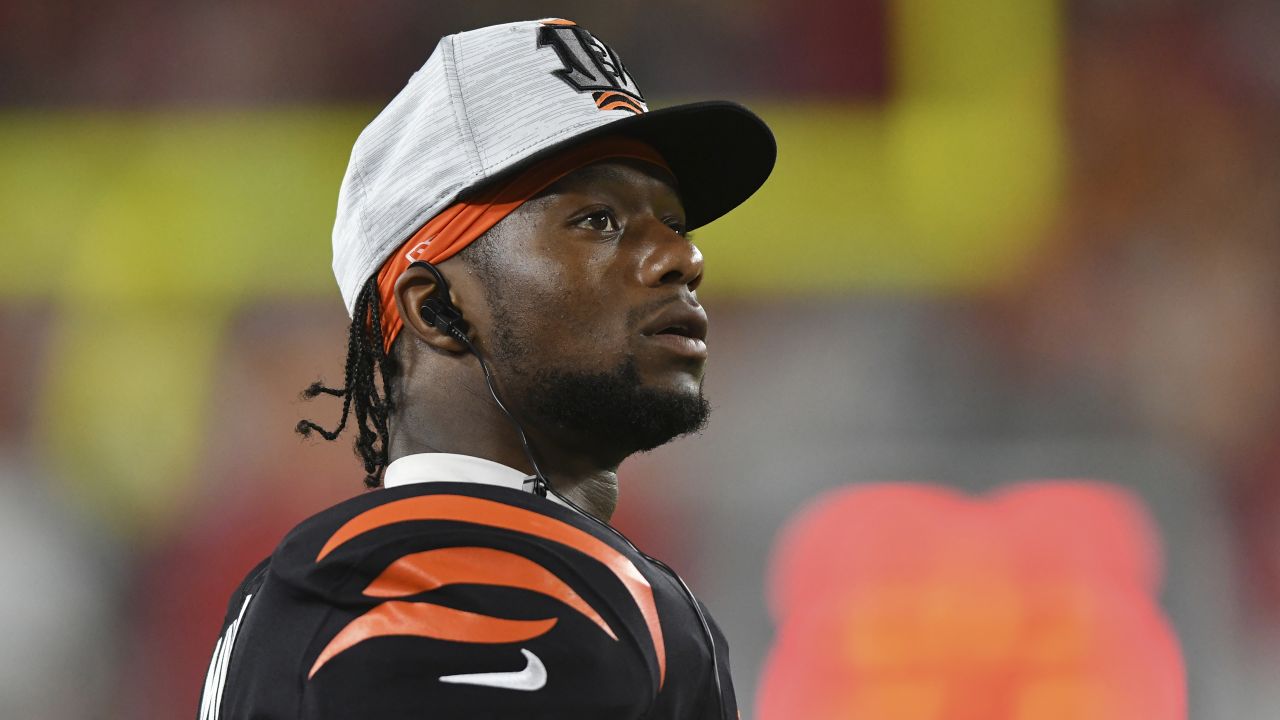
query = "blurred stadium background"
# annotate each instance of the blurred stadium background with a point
(1006, 241)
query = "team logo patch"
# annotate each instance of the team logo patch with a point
(590, 66)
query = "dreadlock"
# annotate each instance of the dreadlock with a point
(366, 359)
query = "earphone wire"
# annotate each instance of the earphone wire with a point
(540, 484)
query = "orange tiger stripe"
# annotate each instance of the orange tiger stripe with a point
(423, 571)
(610, 100)
(429, 621)
(479, 511)
(622, 104)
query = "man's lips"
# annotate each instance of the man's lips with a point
(680, 328)
(690, 347)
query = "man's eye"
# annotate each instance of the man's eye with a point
(600, 221)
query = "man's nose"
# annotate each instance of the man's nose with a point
(670, 259)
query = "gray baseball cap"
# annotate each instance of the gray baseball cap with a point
(498, 98)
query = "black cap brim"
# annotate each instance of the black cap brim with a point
(719, 151)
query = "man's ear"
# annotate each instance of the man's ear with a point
(415, 286)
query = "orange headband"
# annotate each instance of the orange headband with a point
(463, 222)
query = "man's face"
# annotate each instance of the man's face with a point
(594, 329)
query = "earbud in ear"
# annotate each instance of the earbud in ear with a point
(439, 311)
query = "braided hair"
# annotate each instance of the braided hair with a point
(366, 360)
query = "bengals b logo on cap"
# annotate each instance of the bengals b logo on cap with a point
(591, 66)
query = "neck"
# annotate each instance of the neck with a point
(475, 426)
(594, 491)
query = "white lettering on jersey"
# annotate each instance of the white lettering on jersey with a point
(532, 677)
(216, 679)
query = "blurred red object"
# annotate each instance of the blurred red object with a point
(914, 602)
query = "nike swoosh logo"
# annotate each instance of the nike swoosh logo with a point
(532, 677)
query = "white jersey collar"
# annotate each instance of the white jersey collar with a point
(450, 467)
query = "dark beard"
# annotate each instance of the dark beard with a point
(613, 410)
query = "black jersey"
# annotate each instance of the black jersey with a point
(461, 600)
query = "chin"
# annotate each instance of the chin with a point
(663, 416)
(682, 384)
(621, 408)
(669, 372)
